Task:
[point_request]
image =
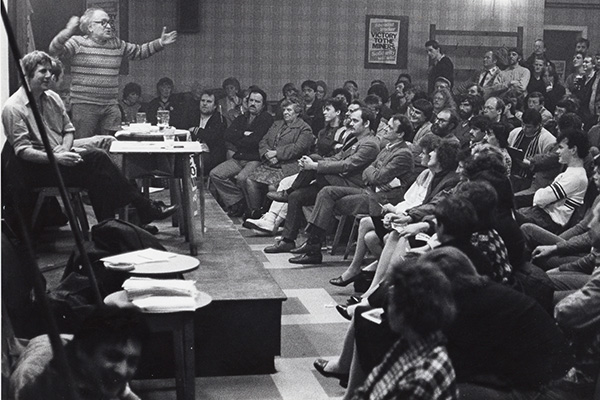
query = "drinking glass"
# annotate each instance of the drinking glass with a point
(162, 119)
(169, 137)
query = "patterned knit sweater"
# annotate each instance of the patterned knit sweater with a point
(95, 67)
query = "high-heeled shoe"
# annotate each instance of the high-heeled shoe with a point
(343, 310)
(320, 365)
(339, 281)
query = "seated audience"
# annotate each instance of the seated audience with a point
(497, 136)
(88, 168)
(321, 90)
(553, 205)
(243, 135)
(230, 106)
(552, 251)
(103, 358)
(189, 105)
(386, 179)
(420, 113)
(417, 365)
(444, 123)
(343, 95)
(532, 139)
(165, 100)
(442, 99)
(352, 87)
(313, 111)
(343, 169)
(371, 240)
(373, 102)
(329, 142)
(479, 128)
(578, 315)
(535, 100)
(468, 107)
(210, 129)
(502, 343)
(380, 90)
(279, 150)
(130, 104)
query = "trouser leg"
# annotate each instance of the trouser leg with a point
(298, 198)
(222, 176)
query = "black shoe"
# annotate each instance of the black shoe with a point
(343, 310)
(320, 366)
(307, 248)
(156, 212)
(237, 210)
(339, 281)
(152, 229)
(280, 246)
(310, 258)
(280, 196)
(252, 214)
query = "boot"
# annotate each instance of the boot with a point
(266, 223)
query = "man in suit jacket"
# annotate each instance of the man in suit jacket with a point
(343, 169)
(386, 180)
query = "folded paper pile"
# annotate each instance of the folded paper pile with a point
(161, 295)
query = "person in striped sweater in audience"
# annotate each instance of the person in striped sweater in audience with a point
(95, 60)
(554, 205)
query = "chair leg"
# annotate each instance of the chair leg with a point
(38, 207)
(351, 240)
(79, 210)
(338, 233)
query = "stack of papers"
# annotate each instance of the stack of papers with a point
(161, 295)
(128, 261)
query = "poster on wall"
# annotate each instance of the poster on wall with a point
(117, 11)
(386, 42)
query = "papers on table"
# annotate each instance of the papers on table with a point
(162, 295)
(128, 261)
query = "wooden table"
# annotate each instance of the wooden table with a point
(182, 150)
(181, 325)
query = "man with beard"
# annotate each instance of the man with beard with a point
(95, 61)
(243, 135)
(515, 76)
(103, 357)
(444, 124)
(468, 106)
(209, 129)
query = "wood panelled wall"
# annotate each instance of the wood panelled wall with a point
(271, 42)
(577, 13)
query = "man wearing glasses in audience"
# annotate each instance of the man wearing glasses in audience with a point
(95, 60)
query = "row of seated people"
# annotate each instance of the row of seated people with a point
(503, 342)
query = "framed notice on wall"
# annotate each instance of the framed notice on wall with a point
(386, 42)
(118, 11)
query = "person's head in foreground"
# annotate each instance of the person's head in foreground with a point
(107, 348)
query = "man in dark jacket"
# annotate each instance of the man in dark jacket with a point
(243, 136)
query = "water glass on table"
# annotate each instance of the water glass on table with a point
(162, 119)
(169, 137)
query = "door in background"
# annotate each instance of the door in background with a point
(560, 46)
